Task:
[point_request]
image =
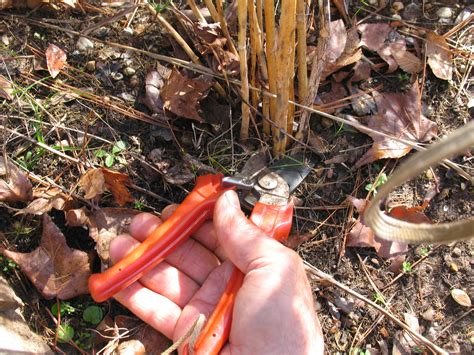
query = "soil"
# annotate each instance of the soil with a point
(323, 218)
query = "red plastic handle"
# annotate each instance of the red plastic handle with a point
(276, 222)
(196, 208)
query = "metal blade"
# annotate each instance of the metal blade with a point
(294, 168)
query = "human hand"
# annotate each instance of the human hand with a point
(273, 311)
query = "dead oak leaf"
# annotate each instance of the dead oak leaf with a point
(374, 35)
(55, 59)
(55, 269)
(440, 58)
(336, 41)
(399, 115)
(405, 59)
(363, 237)
(15, 186)
(181, 95)
(352, 53)
(95, 181)
(104, 225)
(46, 199)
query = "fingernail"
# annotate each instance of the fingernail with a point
(232, 199)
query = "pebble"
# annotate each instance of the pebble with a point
(444, 12)
(454, 267)
(429, 315)
(126, 97)
(128, 71)
(116, 76)
(90, 66)
(397, 6)
(456, 252)
(83, 44)
(101, 32)
(464, 14)
(128, 31)
(396, 17)
(134, 81)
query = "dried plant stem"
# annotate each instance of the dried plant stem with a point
(417, 336)
(196, 11)
(286, 32)
(291, 94)
(301, 49)
(316, 68)
(270, 37)
(212, 10)
(242, 45)
(224, 27)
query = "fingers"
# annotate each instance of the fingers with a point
(205, 300)
(163, 279)
(246, 245)
(191, 257)
(153, 308)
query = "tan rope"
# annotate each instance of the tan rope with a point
(192, 334)
(390, 228)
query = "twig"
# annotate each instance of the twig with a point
(322, 275)
(242, 48)
(455, 321)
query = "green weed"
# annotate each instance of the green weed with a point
(115, 155)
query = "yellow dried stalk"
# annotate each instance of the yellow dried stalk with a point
(225, 29)
(301, 50)
(286, 33)
(212, 10)
(291, 88)
(242, 39)
(254, 95)
(259, 6)
(196, 11)
(271, 47)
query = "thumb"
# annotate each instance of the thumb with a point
(246, 245)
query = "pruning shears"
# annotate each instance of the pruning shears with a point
(267, 190)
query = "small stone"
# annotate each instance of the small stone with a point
(116, 76)
(83, 44)
(128, 71)
(464, 14)
(429, 315)
(90, 66)
(456, 252)
(444, 12)
(128, 31)
(134, 81)
(454, 267)
(397, 6)
(126, 97)
(101, 32)
(375, 261)
(5, 40)
(396, 17)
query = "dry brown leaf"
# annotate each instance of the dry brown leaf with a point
(46, 199)
(181, 95)
(405, 59)
(6, 88)
(351, 54)
(399, 115)
(148, 338)
(55, 59)
(374, 35)
(337, 40)
(362, 71)
(440, 58)
(16, 186)
(153, 83)
(363, 236)
(95, 181)
(55, 269)
(104, 225)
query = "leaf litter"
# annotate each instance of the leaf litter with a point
(104, 224)
(398, 115)
(15, 186)
(55, 269)
(55, 59)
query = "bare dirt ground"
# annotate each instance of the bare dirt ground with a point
(99, 100)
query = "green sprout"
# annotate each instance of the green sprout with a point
(64, 308)
(114, 155)
(65, 333)
(382, 179)
(407, 267)
(93, 314)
